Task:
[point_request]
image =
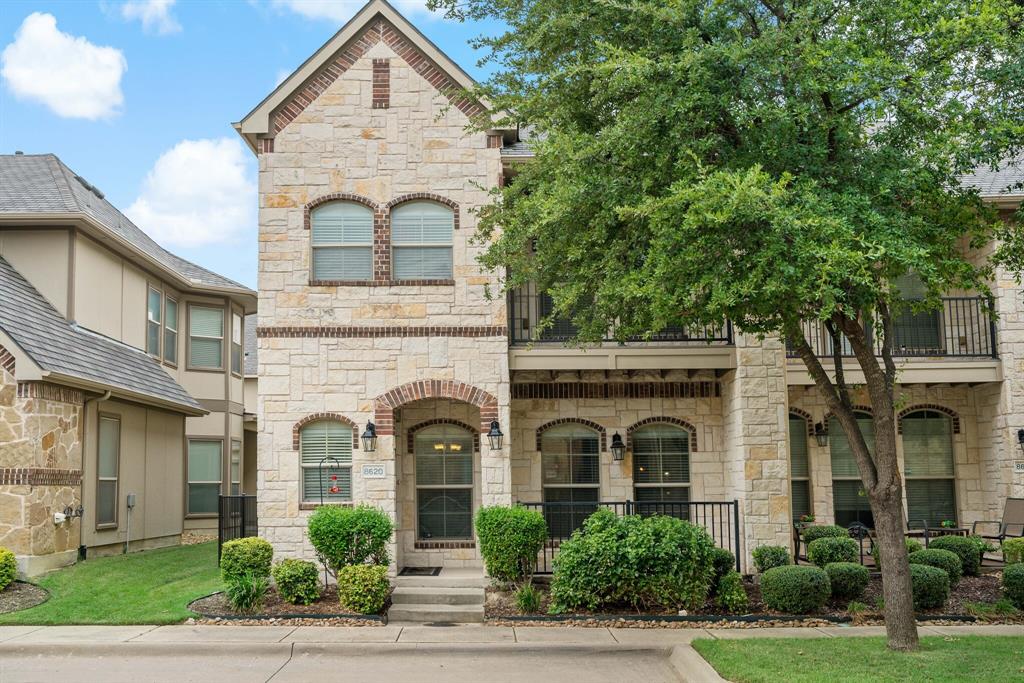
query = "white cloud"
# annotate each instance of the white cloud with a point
(198, 193)
(282, 74)
(68, 74)
(343, 10)
(155, 15)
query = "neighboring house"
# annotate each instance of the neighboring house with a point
(373, 309)
(122, 376)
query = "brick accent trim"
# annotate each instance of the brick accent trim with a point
(381, 83)
(368, 332)
(411, 432)
(318, 417)
(264, 145)
(602, 434)
(952, 414)
(494, 141)
(39, 476)
(443, 545)
(423, 196)
(6, 360)
(336, 197)
(662, 420)
(382, 283)
(858, 408)
(804, 415)
(604, 390)
(386, 403)
(50, 392)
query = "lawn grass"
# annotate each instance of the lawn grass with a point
(149, 587)
(955, 658)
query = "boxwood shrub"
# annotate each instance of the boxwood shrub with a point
(830, 549)
(965, 548)
(363, 588)
(770, 556)
(943, 559)
(8, 568)
(723, 562)
(930, 586)
(298, 581)
(730, 595)
(510, 538)
(912, 547)
(342, 536)
(1013, 584)
(1013, 550)
(243, 556)
(813, 533)
(848, 579)
(795, 589)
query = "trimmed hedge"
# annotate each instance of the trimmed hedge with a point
(848, 579)
(364, 588)
(298, 581)
(912, 547)
(943, 559)
(730, 594)
(770, 556)
(243, 556)
(930, 586)
(813, 533)
(510, 538)
(1013, 584)
(342, 536)
(965, 548)
(723, 562)
(826, 550)
(1013, 550)
(795, 589)
(8, 568)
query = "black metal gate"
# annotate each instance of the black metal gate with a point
(236, 518)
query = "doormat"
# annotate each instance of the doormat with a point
(420, 571)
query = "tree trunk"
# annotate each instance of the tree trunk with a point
(900, 627)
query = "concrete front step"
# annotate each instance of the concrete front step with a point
(430, 595)
(431, 613)
(440, 582)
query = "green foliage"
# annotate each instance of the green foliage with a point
(943, 559)
(813, 533)
(510, 538)
(990, 611)
(1013, 550)
(966, 549)
(930, 586)
(769, 556)
(856, 608)
(8, 568)
(724, 562)
(848, 579)
(639, 561)
(827, 550)
(246, 591)
(245, 556)
(298, 581)
(795, 589)
(1013, 584)
(912, 547)
(364, 588)
(528, 599)
(730, 594)
(343, 536)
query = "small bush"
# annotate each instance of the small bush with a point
(246, 591)
(528, 599)
(363, 588)
(827, 550)
(912, 547)
(770, 556)
(856, 608)
(1013, 584)
(813, 533)
(8, 568)
(795, 589)
(730, 594)
(990, 611)
(965, 548)
(930, 586)
(848, 579)
(245, 556)
(943, 559)
(342, 536)
(298, 581)
(1013, 550)
(723, 562)
(510, 538)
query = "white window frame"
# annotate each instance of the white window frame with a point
(158, 322)
(237, 323)
(235, 468)
(344, 497)
(314, 245)
(909, 478)
(802, 433)
(663, 485)
(398, 247)
(170, 332)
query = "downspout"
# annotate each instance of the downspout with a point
(81, 518)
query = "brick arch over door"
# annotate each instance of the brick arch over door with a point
(339, 197)
(424, 196)
(323, 417)
(574, 420)
(411, 432)
(385, 404)
(952, 414)
(662, 420)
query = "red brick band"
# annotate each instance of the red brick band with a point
(318, 417)
(360, 332)
(386, 403)
(804, 415)
(39, 476)
(662, 420)
(50, 392)
(411, 432)
(573, 420)
(604, 390)
(381, 83)
(952, 414)
(6, 360)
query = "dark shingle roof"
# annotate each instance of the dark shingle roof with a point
(41, 183)
(251, 361)
(1008, 179)
(57, 346)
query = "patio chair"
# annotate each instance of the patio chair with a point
(1011, 526)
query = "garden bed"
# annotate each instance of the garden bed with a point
(20, 595)
(217, 607)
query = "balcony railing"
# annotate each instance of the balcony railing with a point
(527, 308)
(962, 328)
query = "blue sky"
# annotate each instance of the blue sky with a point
(138, 97)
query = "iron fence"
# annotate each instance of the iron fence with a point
(236, 518)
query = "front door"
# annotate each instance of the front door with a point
(444, 483)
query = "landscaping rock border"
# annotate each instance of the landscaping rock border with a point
(21, 595)
(348, 618)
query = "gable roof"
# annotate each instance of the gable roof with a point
(69, 354)
(1003, 183)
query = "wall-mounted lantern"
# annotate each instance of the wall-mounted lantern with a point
(370, 438)
(820, 435)
(494, 437)
(618, 447)
(1020, 439)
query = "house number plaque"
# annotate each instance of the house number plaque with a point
(374, 470)
(1018, 466)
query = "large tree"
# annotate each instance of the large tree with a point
(764, 162)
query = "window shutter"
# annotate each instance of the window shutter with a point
(205, 353)
(798, 460)
(342, 223)
(928, 445)
(846, 497)
(428, 263)
(843, 462)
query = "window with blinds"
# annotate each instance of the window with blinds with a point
(236, 467)
(236, 343)
(108, 457)
(799, 468)
(153, 320)
(849, 501)
(342, 241)
(928, 467)
(206, 337)
(171, 331)
(421, 241)
(325, 450)
(444, 482)
(661, 470)
(204, 475)
(570, 472)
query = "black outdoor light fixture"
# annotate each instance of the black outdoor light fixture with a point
(820, 435)
(1020, 439)
(618, 447)
(370, 438)
(494, 437)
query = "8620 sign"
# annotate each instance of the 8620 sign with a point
(374, 470)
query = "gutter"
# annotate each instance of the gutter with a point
(134, 396)
(81, 520)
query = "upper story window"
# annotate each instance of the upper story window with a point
(236, 343)
(421, 241)
(342, 242)
(171, 331)
(154, 317)
(206, 337)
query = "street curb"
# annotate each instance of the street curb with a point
(82, 648)
(691, 667)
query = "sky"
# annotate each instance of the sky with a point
(138, 97)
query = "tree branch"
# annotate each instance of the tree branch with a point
(887, 334)
(837, 360)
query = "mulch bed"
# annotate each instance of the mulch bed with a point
(217, 608)
(20, 595)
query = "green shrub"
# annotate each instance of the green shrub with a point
(912, 547)
(795, 589)
(633, 560)
(724, 562)
(342, 536)
(848, 579)
(943, 559)
(730, 594)
(298, 581)
(770, 556)
(246, 591)
(827, 550)
(930, 586)
(813, 533)
(1013, 584)
(8, 568)
(245, 556)
(528, 599)
(1013, 550)
(510, 538)
(363, 588)
(965, 548)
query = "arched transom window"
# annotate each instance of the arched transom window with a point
(421, 241)
(342, 241)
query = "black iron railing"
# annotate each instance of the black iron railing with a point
(527, 308)
(720, 519)
(962, 328)
(236, 518)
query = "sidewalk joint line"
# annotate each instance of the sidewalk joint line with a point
(612, 634)
(139, 635)
(291, 653)
(294, 629)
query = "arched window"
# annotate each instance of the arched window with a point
(570, 470)
(342, 241)
(928, 466)
(325, 449)
(799, 467)
(661, 469)
(849, 501)
(444, 482)
(421, 241)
